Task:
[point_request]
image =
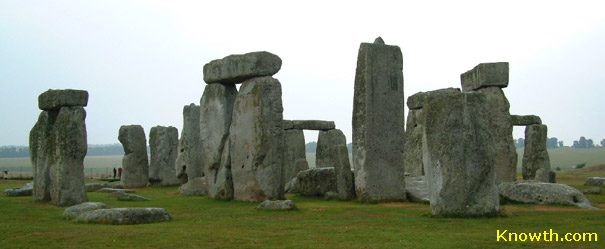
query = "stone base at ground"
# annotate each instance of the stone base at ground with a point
(74, 211)
(535, 192)
(21, 191)
(124, 216)
(196, 186)
(417, 189)
(277, 205)
(316, 181)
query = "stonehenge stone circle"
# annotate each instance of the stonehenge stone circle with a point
(490, 78)
(412, 154)
(520, 120)
(378, 123)
(189, 158)
(238, 68)
(318, 125)
(459, 154)
(58, 145)
(163, 143)
(256, 141)
(536, 162)
(295, 154)
(216, 110)
(135, 164)
(332, 152)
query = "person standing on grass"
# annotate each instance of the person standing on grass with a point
(6, 175)
(120, 172)
(114, 173)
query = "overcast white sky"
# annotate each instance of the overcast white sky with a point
(141, 61)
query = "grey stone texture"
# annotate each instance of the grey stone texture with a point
(26, 190)
(536, 162)
(55, 99)
(256, 141)
(196, 186)
(135, 164)
(318, 125)
(525, 120)
(459, 154)
(122, 196)
(216, 111)
(412, 154)
(41, 148)
(292, 186)
(417, 189)
(332, 152)
(485, 75)
(75, 210)
(595, 181)
(277, 205)
(241, 67)
(592, 191)
(189, 162)
(378, 124)
(163, 145)
(316, 182)
(124, 216)
(295, 154)
(416, 101)
(93, 187)
(535, 192)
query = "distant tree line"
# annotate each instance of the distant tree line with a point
(553, 143)
(311, 147)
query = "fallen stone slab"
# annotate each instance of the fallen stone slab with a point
(92, 187)
(525, 120)
(485, 75)
(277, 205)
(535, 192)
(240, 67)
(595, 181)
(196, 187)
(316, 181)
(20, 191)
(75, 210)
(128, 197)
(55, 99)
(592, 191)
(416, 189)
(111, 190)
(124, 216)
(318, 125)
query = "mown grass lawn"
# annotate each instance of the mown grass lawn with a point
(200, 222)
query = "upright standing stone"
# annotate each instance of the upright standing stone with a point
(458, 153)
(189, 158)
(536, 162)
(41, 146)
(332, 148)
(163, 142)
(413, 136)
(216, 110)
(256, 138)
(295, 153)
(135, 164)
(489, 78)
(378, 124)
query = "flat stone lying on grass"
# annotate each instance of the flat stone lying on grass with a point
(592, 191)
(316, 181)
(128, 197)
(595, 181)
(277, 205)
(124, 216)
(75, 210)
(195, 186)
(535, 192)
(416, 189)
(20, 191)
(111, 190)
(92, 187)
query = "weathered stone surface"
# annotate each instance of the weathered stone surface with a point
(595, 181)
(277, 205)
(256, 141)
(552, 177)
(41, 146)
(20, 191)
(295, 154)
(535, 192)
(291, 186)
(111, 190)
(412, 154)
(458, 152)
(378, 124)
(524, 120)
(592, 191)
(124, 216)
(75, 210)
(331, 196)
(55, 99)
(67, 160)
(240, 67)
(316, 181)
(196, 186)
(189, 162)
(122, 196)
(501, 125)
(216, 107)
(416, 101)
(92, 187)
(332, 152)
(536, 162)
(135, 164)
(318, 125)
(163, 143)
(417, 189)
(485, 75)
